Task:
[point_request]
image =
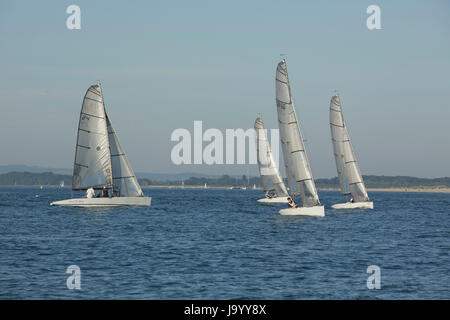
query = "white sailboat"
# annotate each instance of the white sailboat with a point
(350, 179)
(100, 160)
(61, 185)
(298, 171)
(270, 176)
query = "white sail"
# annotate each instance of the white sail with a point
(270, 176)
(350, 178)
(92, 165)
(125, 183)
(298, 171)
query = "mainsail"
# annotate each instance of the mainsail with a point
(270, 176)
(350, 178)
(298, 172)
(124, 180)
(92, 165)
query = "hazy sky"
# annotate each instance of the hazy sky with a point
(164, 64)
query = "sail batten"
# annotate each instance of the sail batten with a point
(298, 171)
(270, 176)
(349, 175)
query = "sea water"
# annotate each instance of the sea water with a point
(222, 244)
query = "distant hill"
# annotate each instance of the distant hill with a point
(34, 178)
(390, 182)
(65, 171)
(36, 169)
(50, 178)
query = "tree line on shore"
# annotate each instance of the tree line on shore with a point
(371, 181)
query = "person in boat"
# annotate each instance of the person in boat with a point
(269, 194)
(90, 193)
(292, 204)
(105, 192)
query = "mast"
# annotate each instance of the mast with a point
(110, 168)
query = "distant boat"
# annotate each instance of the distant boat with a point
(182, 184)
(62, 184)
(271, 180)
(298, 171)
(238, 188)
(205, 186)
(100, 160)
(254, 186)
(350, 178)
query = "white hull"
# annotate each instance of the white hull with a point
(317, 211)
(104, 202)
(273, 200)
(353, 205)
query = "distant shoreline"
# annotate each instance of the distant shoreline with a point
(425, 190)
(431, 189)
(422, 190)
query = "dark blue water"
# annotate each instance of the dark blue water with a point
(221, 244)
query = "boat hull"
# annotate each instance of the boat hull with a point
(317, 211)
(273, 200)
(353, 205)
(104, 202)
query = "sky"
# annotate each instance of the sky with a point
(164, 64)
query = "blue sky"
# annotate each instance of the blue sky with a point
(164, 64)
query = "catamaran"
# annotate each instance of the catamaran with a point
(298, 171)
(350, 179)
(270, 176)
(100, 160)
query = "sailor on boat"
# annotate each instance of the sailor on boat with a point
(269, 194)
(105, 192)
(90, 193)
(292, 204)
